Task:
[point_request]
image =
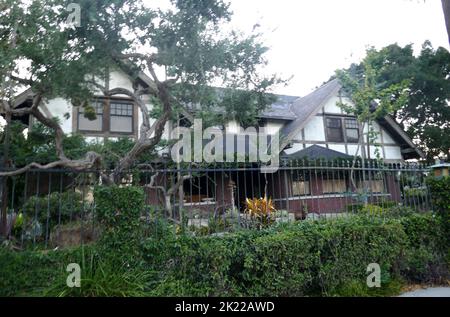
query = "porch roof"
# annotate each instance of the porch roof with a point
(315, 152)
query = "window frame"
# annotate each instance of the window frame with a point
(340, 128)
(121, 102)
(80, 112)
(307, 184)
(346, 128)
(343, 129)
(333, 186)
(106, 119)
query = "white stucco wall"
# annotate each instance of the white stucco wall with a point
(393, 152)
(387, 138)
(332, 107)
(337, 147)
(58, 108)
(118, 79)
(272, 127)
(352, 148)
(314, 130)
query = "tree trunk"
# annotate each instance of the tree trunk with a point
(446, 8)
(4, 187)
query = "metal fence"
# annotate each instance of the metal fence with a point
(56, 207)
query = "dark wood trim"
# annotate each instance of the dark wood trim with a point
(328, 114)
(106, 123)
(382, 141)
(337, 143)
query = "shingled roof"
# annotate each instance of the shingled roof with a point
(307, 107)
(316, 152)
(281, 109)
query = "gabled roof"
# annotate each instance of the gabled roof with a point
(307, 107)
(28, 94)
(316, 152)
(408, 148)
(281, 109)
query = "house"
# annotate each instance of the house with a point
(312, 127)
(116, 116)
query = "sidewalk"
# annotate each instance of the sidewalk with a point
(429, 292)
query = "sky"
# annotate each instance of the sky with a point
(310, 39)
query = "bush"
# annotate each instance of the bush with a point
(102, 279)
(57, 207)
(440, 195)
(118, 210)
(259, 212)
(325, 257)
(305, 258)
(372, 210)
(425, 256)
(30, 273)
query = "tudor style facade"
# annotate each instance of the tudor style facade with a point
(301, 122)
(309, 127)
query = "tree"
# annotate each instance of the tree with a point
(426, 114)
(369, 101)
(186, 41)
(446, 8)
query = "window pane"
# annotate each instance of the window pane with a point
(121, 109)
(121, 124)
(335, 135)
(85, 124)
(331, 186)
(351, 124)
(300, 188)
(374, 186)
(333, 122)
(352, 135)
(97, 105)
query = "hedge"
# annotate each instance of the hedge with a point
(306, 258)
(326, 257)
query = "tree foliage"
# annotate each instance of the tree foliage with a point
(184, 49)
(423, 111)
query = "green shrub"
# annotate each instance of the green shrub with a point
(358, 288)
(30, 273)
(305, 258)
(56, 207)
(326, 257)
(372, 210)
(425, 257)
(100, 278)
(440, 195)
(118, 210)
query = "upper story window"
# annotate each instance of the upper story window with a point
(113, 117)
(351, 130)
(87, 125)
(121, 117)
(342, 130)
(334, 130)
